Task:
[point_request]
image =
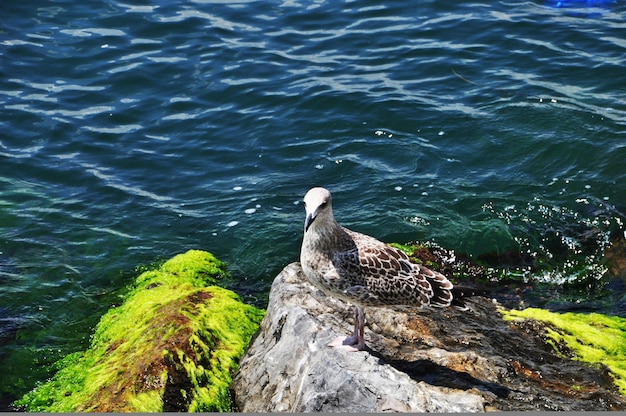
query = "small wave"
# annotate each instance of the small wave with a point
(116, 183)
(88, 32)
(79, 114)
(57, 87)
(20, 42)
(114, 130)
(132, 8)
(114, 232)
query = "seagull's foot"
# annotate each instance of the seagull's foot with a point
(351, 344)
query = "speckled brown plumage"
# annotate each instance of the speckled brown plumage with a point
(362, 270)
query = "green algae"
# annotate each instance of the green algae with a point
(416, 252)
(591, 338)
(408, 249)
(451, 264)
(173, 345)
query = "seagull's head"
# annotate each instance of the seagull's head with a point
(317, 203)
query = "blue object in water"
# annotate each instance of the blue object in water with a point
(579, 3)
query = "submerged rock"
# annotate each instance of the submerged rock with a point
(173, 345)
(429, 360)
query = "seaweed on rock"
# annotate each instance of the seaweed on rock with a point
(173, 345)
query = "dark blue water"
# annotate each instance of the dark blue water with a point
(133, 131)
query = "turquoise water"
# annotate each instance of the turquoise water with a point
(133, 131)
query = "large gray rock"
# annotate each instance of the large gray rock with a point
(430, 361)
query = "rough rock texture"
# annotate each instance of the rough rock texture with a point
(430, 360)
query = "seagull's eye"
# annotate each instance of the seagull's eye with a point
(324, 204)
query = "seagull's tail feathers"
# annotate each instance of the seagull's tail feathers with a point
(446, 294)
(442, 289)
(461, 293)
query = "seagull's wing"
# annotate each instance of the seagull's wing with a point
(385, 275)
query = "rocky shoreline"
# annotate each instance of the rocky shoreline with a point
(178, 341)
(430, 361)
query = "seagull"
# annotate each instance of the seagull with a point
(364, 271)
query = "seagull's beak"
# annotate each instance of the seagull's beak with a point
(308, 221)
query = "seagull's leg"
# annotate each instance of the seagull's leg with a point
(357, 341)
(359, 328)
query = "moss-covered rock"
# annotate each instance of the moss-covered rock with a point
(592, 338)
(588, 337)
(173, 345)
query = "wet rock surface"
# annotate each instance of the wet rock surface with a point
(428, 360)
